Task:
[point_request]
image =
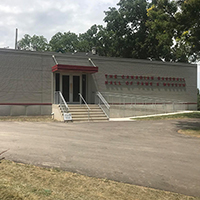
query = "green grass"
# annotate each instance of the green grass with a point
(174, 116)
(26, 182)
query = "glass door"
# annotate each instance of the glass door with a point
(76, 89)
(71, 85)
(65, 87)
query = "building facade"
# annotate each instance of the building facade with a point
(131, 87)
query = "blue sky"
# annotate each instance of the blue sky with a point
(47, 17)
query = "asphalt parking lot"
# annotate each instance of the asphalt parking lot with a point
(147, 153)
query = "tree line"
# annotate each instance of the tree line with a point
(167, 30)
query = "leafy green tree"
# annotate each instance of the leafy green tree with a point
(56, 43)
(70, 41)
(84, 44)
(89, 39)
(67, 42)
(188, 37)
(25, 43)
(198, 99)
(161, 27)
(175, 28)
(127, 24)
(97, 36)
(37, 43)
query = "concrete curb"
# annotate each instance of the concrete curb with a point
(137, 117)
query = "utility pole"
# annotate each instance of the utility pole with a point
(16, 36)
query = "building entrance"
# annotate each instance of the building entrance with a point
(71, 85)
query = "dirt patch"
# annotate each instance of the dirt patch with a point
(193, 132)
(45, 118)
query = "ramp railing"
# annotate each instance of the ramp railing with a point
(103, 104)
(135, 105)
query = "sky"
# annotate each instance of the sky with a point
(47, 17)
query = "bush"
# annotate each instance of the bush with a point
(198, 99)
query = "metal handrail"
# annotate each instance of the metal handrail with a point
(64, 100)
(84, 101)
(85, 104)
(123, 95)
(105, 103)
(103, 100)
(137, 104)
(60, 100)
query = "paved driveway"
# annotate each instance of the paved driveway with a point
(147, 153)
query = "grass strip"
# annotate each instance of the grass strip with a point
(171, 116)
(26, 182)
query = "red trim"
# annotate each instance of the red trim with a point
(25, 104)
(49, 104)
(75, 68)
(149, 103)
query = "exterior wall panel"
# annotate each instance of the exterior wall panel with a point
(25, 79)
(27, 84)
(18, 110)
(148, 69)
(5, 110)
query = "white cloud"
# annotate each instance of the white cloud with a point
(47, 17)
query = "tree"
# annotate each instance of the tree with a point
(37, 43)
(161, 30)
(25, 43)
(56, 43)
(128, 28)
(97, 36)
(198, 99)
(188, 37)
(175, 27)
(67, 42)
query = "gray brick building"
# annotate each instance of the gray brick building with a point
(131, 87)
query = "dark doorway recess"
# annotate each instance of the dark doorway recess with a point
(65, 87)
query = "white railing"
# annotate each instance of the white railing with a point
(59, 99)
(82, 99)
(103, 104)
(136, 105)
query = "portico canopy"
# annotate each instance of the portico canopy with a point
(74, 68)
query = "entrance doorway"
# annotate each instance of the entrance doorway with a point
(71, 86)
(76, 88)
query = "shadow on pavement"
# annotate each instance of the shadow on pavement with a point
(190, 124)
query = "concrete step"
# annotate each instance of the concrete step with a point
(83, 108)
(90, 119)
(86, 116)
(82, 105)
(80, 113)
(86, 113)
